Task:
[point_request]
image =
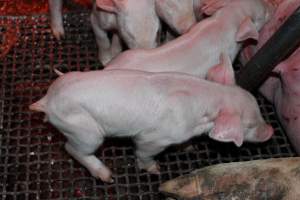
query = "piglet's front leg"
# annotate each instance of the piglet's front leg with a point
(55, 7)
(103, 42)
(145, 152)
(116, 46)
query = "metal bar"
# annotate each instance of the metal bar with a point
(278, 47)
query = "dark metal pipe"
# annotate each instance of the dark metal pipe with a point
(283, 43)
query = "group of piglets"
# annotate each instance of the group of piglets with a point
(159, 95)
(134, 22)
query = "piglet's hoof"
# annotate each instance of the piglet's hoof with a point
(58, 32)
(104, 174)
(154, 169)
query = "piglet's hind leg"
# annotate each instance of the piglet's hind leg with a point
(91, 162)
(84, 137)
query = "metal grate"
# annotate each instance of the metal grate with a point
(33, 162)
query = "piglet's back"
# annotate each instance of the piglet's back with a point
(115, 78)
(128, 87)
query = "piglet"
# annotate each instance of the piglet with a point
(155, 109)
(201, 48)
(134, 21)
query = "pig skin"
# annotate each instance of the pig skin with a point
(156, 109)
(284, 92)
(178, 14)
(283, 10)
(201, 48)
(271, 179)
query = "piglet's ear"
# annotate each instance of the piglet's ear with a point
(107, 5)
(228, 128)
(222, 73)
(246, 31)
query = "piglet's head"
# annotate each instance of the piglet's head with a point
(137, 21)
(232, 126)
(242, 120)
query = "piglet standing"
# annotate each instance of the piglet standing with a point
(133, 21)
(208, 43)
(155, 109)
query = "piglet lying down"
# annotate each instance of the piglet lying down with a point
(156, 109)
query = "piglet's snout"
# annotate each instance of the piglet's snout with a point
(264, 133)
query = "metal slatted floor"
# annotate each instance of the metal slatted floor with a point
(33, 162)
